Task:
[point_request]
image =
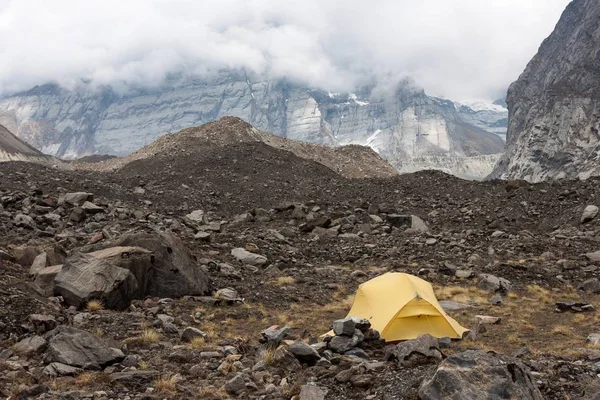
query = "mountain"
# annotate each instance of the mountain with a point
(14, 149)
(215, 139)
(402, 125)
(554, 106)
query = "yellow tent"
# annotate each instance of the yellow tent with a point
(402, 307)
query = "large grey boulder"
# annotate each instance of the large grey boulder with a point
(85, 277)
(477, 375)
(173, 270)
(78, 348)
(132, 267)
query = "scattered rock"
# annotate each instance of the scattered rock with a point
(312, 392)
(304, 353)
(235, 385)
(246, 257)
(460, 377)
(422, 350)
(56, 369)
(344, 327)
(78, 348)
(589, 214)
(493, 283)
(592, 285)
(30, 345)
(190, 333)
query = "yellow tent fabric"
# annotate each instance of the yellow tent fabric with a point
(403, 307)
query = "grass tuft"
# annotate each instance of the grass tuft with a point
(93, 306)
(148, 336)
(167, 384)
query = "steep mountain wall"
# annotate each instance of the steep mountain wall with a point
(554, 106)
(399, 126)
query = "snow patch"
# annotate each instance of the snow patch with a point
(354, 98)
(483, 105)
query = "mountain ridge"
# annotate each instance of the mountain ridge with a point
(403, 124)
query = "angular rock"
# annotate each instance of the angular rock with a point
(30, 346)
(399, 221)
(78, 198)
(422, 350)
(235, 385)
(204, 236)
(91, 208)
(593, 339)
(417, 224)
(357, 352)
(320, 222)
(197, 216)
(361, 324)
(312, 392)
(344, 327)
(341, 344)
(78, 348)
(85, 277)
(592, 285)
(246, 257)
(189, 333)
(479, 375)
(593, 257)
(304, 353)
(77, 215)
(42, 323)
(449, 305)
(44, 279)
(273, 335)
(493, 283)
(57, 369)
(135, 377)
(40, 262)
(229, 295)
(589, 214)
(160, 263)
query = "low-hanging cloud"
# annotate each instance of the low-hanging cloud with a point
(460, 49)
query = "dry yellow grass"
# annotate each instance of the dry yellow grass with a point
(93, 306)
(539, 293)
(563, 330)
(198, 343)
(461, 294)
(91, 378)
(284, 280)
(167, 384)
(98, 332)
(148, 336)
(144, 365)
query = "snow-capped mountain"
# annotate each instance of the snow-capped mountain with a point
(402, 125)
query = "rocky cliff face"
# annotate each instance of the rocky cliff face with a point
(400, 126)
(554, 119)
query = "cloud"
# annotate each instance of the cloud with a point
(460, 49)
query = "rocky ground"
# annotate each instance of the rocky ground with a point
(277, 242)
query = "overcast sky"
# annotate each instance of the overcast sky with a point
(459, 49)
